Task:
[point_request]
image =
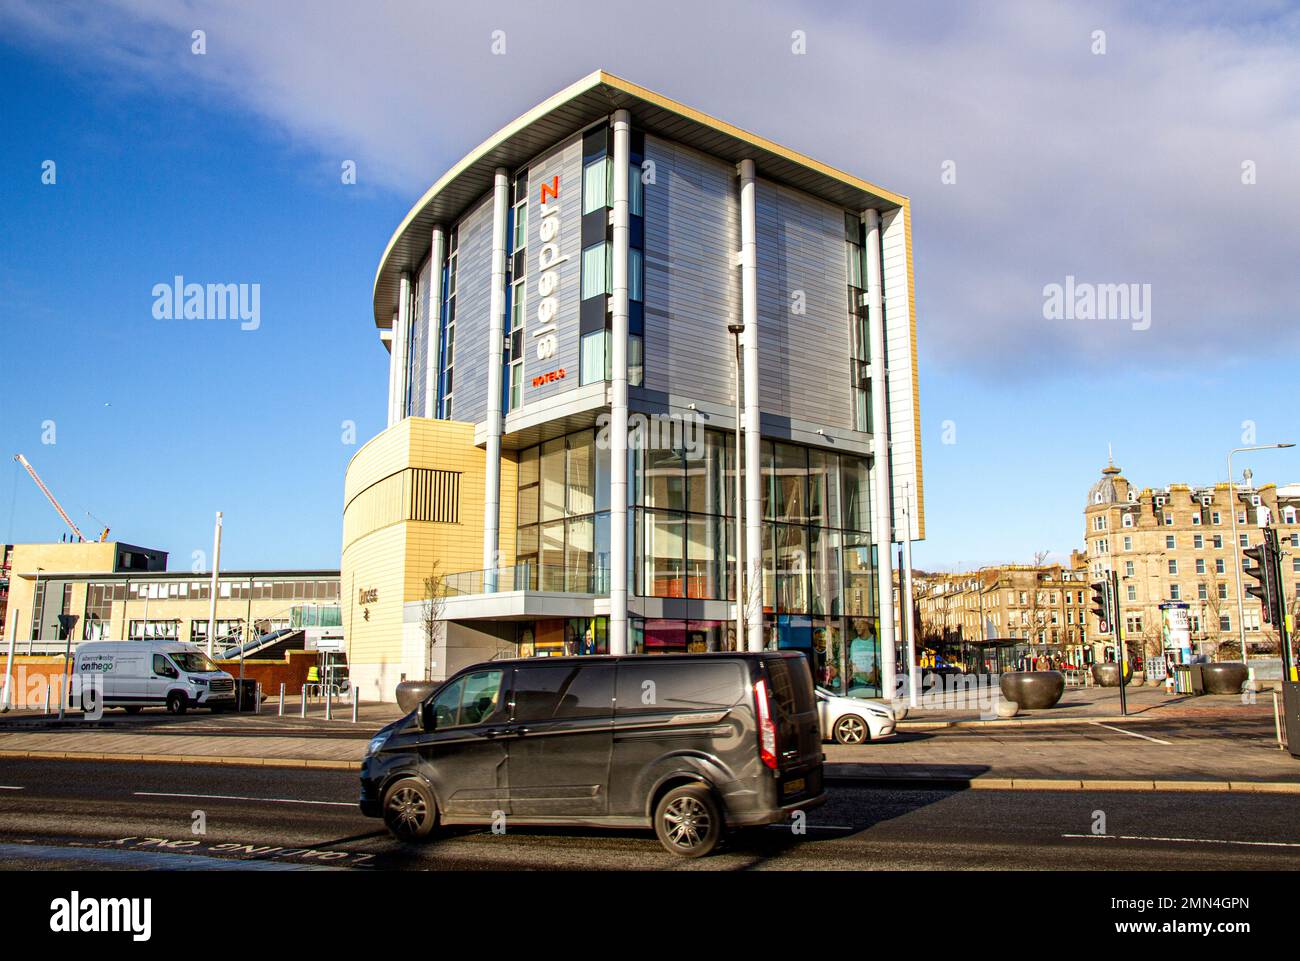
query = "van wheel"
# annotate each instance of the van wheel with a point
(410, 811)
(177, 703)
(851, 729)
(132, 709)
(688, 821)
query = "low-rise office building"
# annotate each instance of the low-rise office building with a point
(123, 592)
(579, 315)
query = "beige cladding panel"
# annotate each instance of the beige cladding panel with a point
(394, 560)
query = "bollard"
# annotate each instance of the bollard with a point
(282, 700)
(354, 704)
(329, 700)
(304, 701)
(47, 695)
(257, 698)
(1277, 724)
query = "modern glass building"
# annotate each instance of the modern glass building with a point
(579, 316)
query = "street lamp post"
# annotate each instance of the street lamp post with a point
(736, 330)
(1236, 548)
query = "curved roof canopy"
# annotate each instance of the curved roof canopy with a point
(595, 96)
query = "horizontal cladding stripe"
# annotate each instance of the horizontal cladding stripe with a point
(410, 494)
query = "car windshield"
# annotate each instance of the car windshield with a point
(194, 662)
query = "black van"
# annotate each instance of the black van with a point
(688, 744)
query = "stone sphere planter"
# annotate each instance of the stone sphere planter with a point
(1225, 677)
(1107, 674)
(1033, 690)
(411, 693)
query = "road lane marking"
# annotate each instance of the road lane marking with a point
(1132, 733)
(1142, 837)
(6, 787)
(238, 797)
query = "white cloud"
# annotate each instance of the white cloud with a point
(1114, 169)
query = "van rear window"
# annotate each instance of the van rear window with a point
(645, 686)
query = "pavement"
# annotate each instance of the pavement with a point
(1164, 744)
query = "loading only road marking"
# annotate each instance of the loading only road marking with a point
(1144, 737)
(242, 850)
(238, 797)
(1141, 837)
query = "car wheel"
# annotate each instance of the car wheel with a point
(410, 811)
(133, 709)
(851, 729)
(688, 821)
(177, 703)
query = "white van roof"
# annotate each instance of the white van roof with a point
(164, 645)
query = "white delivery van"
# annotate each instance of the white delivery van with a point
(138, 674)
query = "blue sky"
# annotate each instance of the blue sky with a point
(1113, 168)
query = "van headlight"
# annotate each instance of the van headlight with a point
(375, 744)
(199, 681)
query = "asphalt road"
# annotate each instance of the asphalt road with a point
(117, 815)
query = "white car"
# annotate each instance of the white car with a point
(853, 720)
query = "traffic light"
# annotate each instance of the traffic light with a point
(1101, 604)
(1264, 572)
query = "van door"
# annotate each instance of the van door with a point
(798, 728)
(669, 712)
(464, 756)
(561, 734)
(128, 682)
(161, 674)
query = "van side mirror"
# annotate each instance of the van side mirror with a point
(425, 716)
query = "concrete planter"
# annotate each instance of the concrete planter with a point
(1033, 690)
(1226, 677)
(411, 693)
(1107, 674)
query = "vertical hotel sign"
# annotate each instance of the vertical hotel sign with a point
(549, 259)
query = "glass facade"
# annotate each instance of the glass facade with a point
(681, 499)
(597, 271)
(563, 515)
(818, 560)
(512, 359)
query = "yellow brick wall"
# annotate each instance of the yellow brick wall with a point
(395, 559)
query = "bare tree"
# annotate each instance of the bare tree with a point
(1211, 607)
(431, 616)
(754, 593)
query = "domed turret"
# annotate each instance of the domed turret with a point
(1105, 490)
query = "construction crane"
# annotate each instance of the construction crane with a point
(54, 500)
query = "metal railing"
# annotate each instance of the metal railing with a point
(528, 576)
